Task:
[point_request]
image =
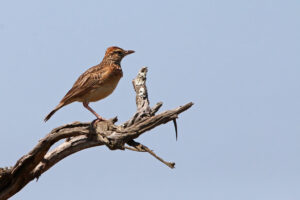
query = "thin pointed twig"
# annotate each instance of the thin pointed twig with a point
(156, 108)
(169, 164)
(140, 147)
(175, 125)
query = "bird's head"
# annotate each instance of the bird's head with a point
(116, 54)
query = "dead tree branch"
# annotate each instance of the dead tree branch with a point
(81, 136)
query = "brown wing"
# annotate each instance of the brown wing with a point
(89, 80)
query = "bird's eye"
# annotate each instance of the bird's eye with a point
(119, 52)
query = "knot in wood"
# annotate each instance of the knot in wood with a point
(105, 129)
(142, 92)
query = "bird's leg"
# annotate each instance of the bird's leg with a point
(86, 105)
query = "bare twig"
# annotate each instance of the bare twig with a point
(142, 148)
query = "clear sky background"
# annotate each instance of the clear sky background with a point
(238, 61)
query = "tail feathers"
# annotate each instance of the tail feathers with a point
(59, 106)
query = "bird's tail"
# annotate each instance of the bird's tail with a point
(59, 106)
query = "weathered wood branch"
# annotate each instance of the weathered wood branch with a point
(80, 136)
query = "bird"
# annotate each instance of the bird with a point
(97, 82)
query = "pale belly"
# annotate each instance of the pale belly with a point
(102, 92)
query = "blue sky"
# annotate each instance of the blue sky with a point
(238, 61)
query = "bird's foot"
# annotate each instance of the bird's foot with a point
(99, 119)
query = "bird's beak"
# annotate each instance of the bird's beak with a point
(129, 52)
